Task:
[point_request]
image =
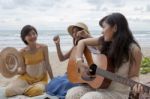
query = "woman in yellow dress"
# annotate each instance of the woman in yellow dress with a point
(34, 73)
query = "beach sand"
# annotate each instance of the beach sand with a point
(59, 68)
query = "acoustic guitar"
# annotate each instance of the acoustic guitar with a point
(98, 71)
(75, 76)
(102, 73)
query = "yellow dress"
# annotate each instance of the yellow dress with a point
(35, 72)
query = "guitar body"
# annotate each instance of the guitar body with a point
(103, 73)
(75, 76)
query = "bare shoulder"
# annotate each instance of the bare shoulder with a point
(136, 51)
(135, 48)
(23, 50)
(43, 46)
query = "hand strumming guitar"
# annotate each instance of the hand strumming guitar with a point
(83, 68)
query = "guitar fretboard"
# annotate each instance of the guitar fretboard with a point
(120, 79)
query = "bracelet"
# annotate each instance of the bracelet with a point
(78, 59)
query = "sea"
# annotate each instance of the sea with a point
(11, 38)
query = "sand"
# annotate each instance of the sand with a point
(59, 68)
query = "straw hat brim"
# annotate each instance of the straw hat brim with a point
(72, 26)
(10, 60)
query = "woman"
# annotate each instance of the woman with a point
(78, 31)
(59, 85)
(33, 76)
(124, 55)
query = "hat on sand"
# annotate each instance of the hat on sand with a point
(80, 25)
(10, 60)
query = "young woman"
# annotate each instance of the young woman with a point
(123, 54)
(60, 85)
(78, 31)
(36, 66)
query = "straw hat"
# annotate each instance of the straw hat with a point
(10, 60)
(80, 25)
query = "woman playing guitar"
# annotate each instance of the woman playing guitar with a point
(123, 53)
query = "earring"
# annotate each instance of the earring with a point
(115, 28)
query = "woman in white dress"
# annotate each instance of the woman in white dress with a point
(123, 52)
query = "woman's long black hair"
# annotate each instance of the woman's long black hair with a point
(118, 50)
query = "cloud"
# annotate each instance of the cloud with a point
(106, 4)
(27, 4)
(9, 4)
(148, 8)
(141, 9)
(60, 13)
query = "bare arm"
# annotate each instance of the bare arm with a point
(61, 56)
(47, 63)
(86, 42)
(135, 68)
(22, 69)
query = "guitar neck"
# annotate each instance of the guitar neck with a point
(120, 79)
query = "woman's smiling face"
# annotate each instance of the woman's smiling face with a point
(75, 30)
(31, 37)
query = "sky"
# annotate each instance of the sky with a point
(59, 14)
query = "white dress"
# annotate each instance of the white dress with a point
(114, 91)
